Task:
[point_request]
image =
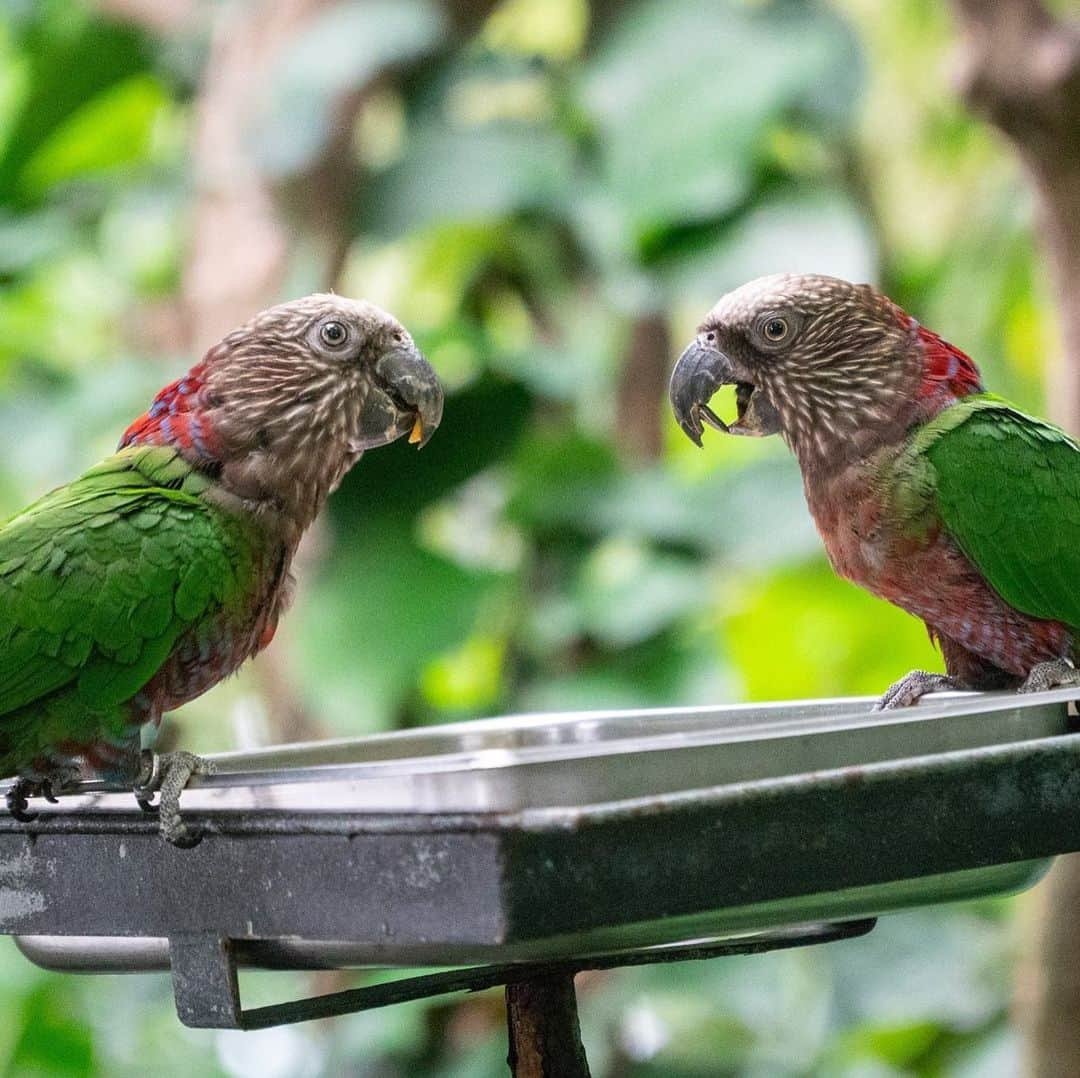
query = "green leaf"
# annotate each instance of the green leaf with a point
(627, 593)
(943, 964)
(466, 679)
(755, 516)
(681, 92)
(462, 174)
(804, 632)
(53, 1038)
(381, 612)
(339, 50)
(811, 232)
(481, 425)
(110, 130)
(557, 476)
(68, 69)
(30, 238)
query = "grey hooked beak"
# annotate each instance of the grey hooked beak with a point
(699, 373)
(408, 400)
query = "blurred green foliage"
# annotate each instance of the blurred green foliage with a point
(526, 201)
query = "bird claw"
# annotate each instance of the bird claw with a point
(913, 687)
(18, 796)
(1056, 674)
(147, 781)
(17, 802)
(167, 776)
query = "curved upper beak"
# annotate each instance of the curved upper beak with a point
(699, 373)
(407, 400)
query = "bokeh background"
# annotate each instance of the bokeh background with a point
(549, 193)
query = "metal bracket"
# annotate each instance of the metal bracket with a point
(207, 992)
(205, 984)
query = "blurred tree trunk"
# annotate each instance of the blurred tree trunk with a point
(246, 227)
(603, 15)
(641, 392)
(1021, 69)
(161, 16)
(641, 389)
(240, 239)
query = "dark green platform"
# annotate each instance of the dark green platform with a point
(557, 837)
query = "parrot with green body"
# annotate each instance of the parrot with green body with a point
(158, 572)
(927, 490)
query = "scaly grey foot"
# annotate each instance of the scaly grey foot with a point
(913, 687)
(1056, 674)
(168, 775)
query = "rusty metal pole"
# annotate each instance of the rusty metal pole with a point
(542, 1024)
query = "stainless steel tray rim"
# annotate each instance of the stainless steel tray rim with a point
(859, 711)
(487, 758)
(557, 818)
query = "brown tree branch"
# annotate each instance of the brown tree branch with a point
(1047, 996)
(1020, 68)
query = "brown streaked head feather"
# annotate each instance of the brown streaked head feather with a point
(282, 407)
(846, 362)
(842, 374)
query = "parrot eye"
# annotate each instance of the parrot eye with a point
(333, 334)
(775, 329)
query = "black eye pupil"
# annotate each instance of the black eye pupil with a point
(333, 333)
(775, 329)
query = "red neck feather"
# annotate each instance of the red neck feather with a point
(177, 418)
(948, 374)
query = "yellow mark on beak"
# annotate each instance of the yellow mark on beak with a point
(417, 431)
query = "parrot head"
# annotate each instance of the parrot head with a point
(830, 365)
(282, 407)
(324, 365)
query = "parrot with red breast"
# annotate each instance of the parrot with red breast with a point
(155, 574)
(927, 490)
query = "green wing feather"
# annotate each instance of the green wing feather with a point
(1007, 488)
(98, 580)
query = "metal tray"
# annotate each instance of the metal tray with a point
(537, 837)
(523, 762)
